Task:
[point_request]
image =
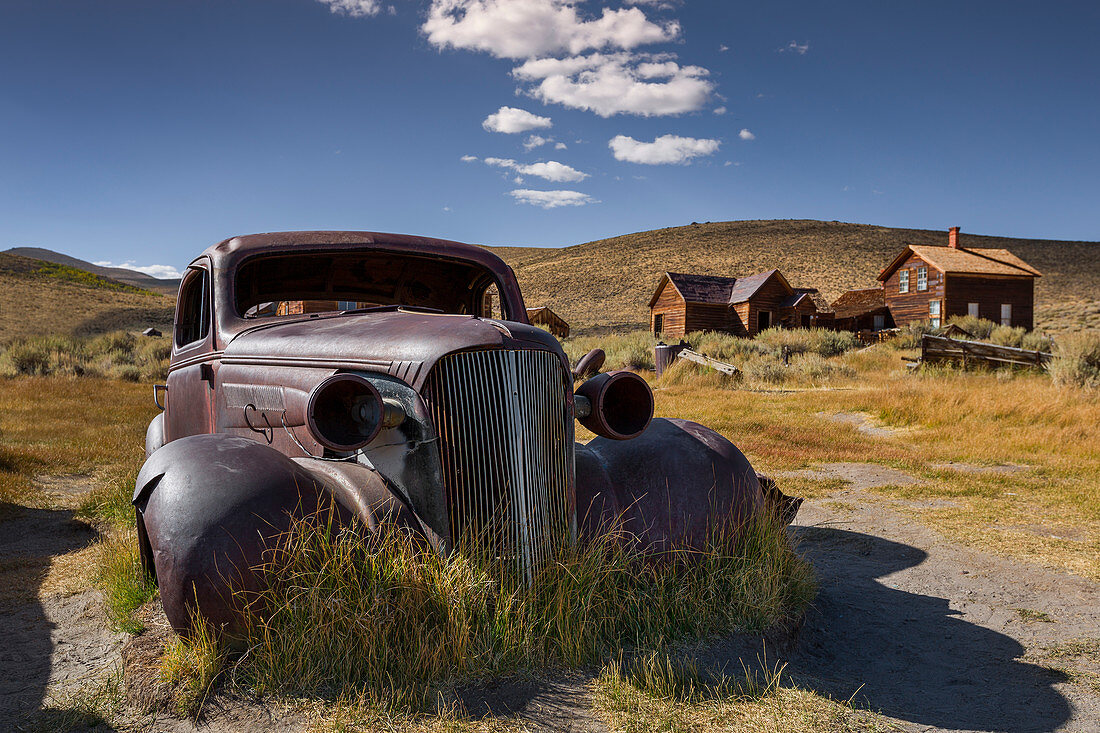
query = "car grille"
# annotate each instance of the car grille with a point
(506, 440)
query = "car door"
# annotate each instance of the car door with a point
(191, 375)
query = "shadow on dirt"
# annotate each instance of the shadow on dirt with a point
(28, 541)
(907, 655)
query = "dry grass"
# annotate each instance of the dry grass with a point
(115, 355)
(604, 286)
(659, 692)
(368, 614)
(1048, 513)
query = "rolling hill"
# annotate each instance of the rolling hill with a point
(598, 287)
(605, 285)
(43, 298)
(119, 274)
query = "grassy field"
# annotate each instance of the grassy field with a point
(952, 431)
(604, 286)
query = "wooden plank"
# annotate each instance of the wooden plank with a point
(936, 348)
(705, 360)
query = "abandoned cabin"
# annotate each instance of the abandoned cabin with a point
(548, 319)
(931, 283)
(743, 306)
(862, 310)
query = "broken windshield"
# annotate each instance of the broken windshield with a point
(314, 282)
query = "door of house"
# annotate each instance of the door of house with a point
(658, 324)
(880, 322)
(972, 310)
(763, 320)
(1006, 314)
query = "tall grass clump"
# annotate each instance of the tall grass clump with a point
(818, 341)
(386, 613)
(1076, 360)
(633, 350)
(115, 355)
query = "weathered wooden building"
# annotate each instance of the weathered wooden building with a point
(862, 310)
(548, 319)
(932, 283)
(683, 303)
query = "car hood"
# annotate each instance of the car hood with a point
(403, 343)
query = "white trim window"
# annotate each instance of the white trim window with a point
(922, 278)
(934, 313)
(972, 310)
(1006, 314)
(903, 281)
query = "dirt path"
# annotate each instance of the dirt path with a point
(938, 636)
(55, 637)
(933, 635)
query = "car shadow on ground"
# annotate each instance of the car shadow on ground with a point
(29, 539)
(908, 655)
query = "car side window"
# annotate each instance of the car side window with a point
(193, 311)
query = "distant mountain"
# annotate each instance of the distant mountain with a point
(121, 274)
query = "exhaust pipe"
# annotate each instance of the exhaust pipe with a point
(616, 405)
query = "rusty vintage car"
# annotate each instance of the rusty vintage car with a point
(396, 380)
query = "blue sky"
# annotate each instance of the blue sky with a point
(144, 131)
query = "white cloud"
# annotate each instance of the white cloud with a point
(447, 209)
(551, 199)
(723, 48)
(665, 149)
(512, 120)
(520, 29)
(159, 271)
(796, 47)
(610, 84)
(469, 158)
(551, 170)
(745, 134)
(534, 141)
(355, 8)
(560, 146)
(720, 110)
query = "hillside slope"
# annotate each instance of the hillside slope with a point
(35, 300)
(121, 274)
(605, 285)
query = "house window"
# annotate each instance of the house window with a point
(972, 310)
(1006, 314)
(763, 320)
(658, 324)
(934, 313)
(922, 278)
(346, 305)
(903, 281)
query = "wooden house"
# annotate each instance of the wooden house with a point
(683, 303)
(932, 283)
(862, 310)
(549, 320)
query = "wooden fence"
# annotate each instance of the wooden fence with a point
(940, 348)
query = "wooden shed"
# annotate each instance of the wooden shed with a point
(683, 303)
(548, 319)
(932, 283)
(862, 310)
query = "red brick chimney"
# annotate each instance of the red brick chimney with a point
(953, 237)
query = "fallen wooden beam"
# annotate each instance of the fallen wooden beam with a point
(705, 360)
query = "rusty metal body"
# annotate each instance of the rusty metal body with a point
(408, 407)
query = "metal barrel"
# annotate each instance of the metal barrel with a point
(665, 354)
